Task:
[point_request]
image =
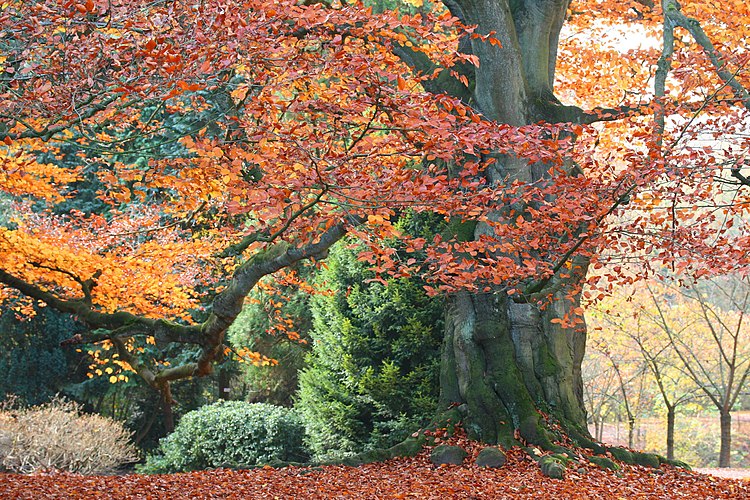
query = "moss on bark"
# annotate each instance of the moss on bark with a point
(603, 462)
(647, 459)
(552, 467)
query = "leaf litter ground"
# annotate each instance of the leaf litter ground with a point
(399, 478)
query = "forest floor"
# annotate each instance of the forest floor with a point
(402, 478)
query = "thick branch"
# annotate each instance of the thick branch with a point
(610, 114)
(76, 307)
(445, 82)
(737, 175)
(99, 321)
(663, 66)
(673, 17)
(228, 304)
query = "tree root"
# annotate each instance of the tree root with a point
(554, 465)
(444, 426)
(554, 459)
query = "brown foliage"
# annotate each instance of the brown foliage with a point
(398, 478)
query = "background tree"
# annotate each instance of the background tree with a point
(618, 322)
(711, 343)
(628, 384)
(668, 378)
(599, 391)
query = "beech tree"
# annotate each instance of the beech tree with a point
(231, 141)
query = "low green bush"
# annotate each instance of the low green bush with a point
(57, 435)
(230, 434)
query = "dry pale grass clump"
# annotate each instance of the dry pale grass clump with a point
(58, 435)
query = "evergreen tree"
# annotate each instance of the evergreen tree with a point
(33, 365)
(373, 371)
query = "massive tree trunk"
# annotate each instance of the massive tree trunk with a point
(502, 362)
(506, 362)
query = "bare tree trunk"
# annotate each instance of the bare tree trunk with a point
(725, 419)
(597, 430)
(631, 431)
(670, 432)
(167, 411)
(222, 380)
(145, 428)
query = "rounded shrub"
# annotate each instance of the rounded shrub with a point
(230, 434)
(58, 435)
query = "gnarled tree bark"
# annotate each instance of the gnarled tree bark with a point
(504, 362)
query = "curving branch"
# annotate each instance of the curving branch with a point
(226, 306)
(673, 17)
(264, 236)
